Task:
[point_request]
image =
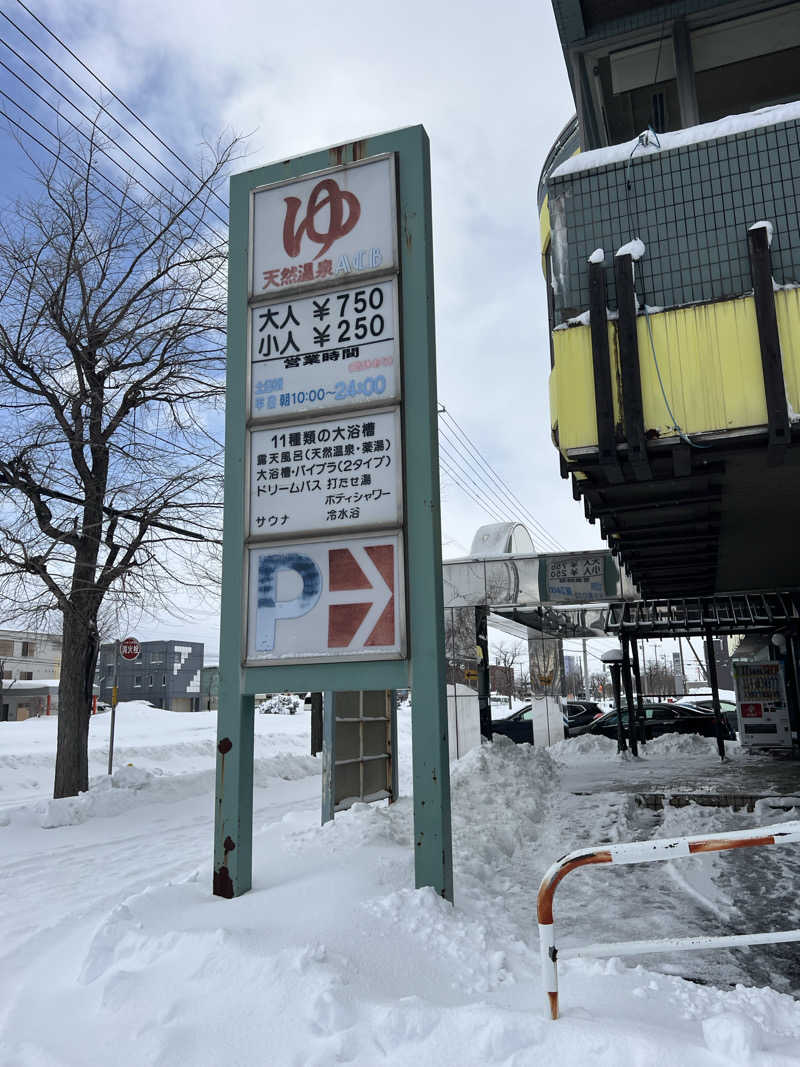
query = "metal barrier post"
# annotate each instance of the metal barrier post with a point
(650, 852)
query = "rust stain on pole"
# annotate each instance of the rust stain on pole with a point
(722, 844)
(553, 998)
(544, 905)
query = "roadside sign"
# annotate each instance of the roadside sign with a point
(324, 228)
(328, 475)
(130, 648)
(330, 409)
(327, 599)
(339, 348)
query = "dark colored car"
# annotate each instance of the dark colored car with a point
(706, 706)
(519, 726)
(578, 715)
(664, 719)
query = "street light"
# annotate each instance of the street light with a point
(613, 660)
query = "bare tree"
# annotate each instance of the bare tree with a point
(658, 679)
(112, 333)
(573, 680)
(507, 656)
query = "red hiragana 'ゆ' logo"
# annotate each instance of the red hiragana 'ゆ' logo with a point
(325, 194)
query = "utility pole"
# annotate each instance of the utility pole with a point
(683, 665)
(585, 670)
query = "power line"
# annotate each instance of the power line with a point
(120, 101)
(476, 475)
(544, 533)
(116, 143)
(465, 489)
(63, 144)
(69, 166)
(497, 489)
(455, 460)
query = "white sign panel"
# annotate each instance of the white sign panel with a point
(334, 224)
(338, 348)
(576, 579)
(324, 600)
(327, 475)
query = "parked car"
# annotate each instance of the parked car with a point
(519, 726)
(578, 715)
(664, 719)
(706, 705)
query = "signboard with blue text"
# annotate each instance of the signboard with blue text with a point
(331, 412)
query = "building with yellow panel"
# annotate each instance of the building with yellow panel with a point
(671, 248)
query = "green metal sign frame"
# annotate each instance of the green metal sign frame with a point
(424, 669)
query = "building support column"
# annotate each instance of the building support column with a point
(484, 674)
(712, 680)
(637, 677)
(628, 683)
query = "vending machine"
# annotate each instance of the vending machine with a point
(762, 708)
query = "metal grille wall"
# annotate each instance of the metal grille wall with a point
(691, 206)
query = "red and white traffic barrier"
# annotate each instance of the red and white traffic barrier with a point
(667, 848)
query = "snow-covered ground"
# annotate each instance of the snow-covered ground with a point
(114, 951)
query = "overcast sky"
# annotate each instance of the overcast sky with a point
(488, 83)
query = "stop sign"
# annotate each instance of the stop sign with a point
(130, 648)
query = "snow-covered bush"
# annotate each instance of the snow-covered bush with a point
(279, 704)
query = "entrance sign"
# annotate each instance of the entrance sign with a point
(331, 571)
(578, 577)
(327, 599)
(327, 476)
(315, 353)
(325, 228)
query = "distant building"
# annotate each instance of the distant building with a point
(28, 656)
(29, 699)
(166, 674)
(501, 679)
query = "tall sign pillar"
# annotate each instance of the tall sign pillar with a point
(331, 568)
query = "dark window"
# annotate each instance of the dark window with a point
(26, 676)
(28, 648)
(137, 680)
(660, 711)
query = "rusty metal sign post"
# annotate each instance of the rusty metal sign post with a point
(130, 649)
(331, 569)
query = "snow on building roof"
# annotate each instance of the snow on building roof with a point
(707, 131)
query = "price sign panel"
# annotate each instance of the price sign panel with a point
(337, 349)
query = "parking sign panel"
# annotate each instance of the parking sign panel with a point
(318, 600)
